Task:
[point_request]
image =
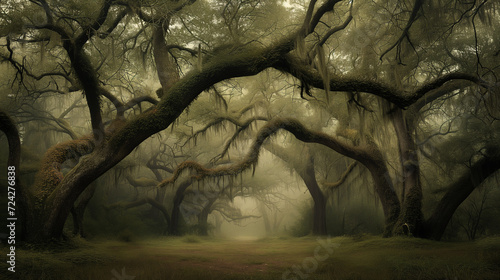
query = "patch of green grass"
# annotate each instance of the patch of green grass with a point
(191, 239)
(193, 257)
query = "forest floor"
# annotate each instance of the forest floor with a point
(191, 257)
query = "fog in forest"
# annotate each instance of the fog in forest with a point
(250, 139)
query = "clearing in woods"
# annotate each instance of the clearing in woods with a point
(192, 257)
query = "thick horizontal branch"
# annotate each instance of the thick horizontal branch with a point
(309, 75)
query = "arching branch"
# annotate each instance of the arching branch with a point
(336, 29)
(343, 177)
(459, 190)
(291, 125)
(50, 175)
(122, 108)
(23, 198)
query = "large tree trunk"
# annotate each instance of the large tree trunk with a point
(306, 171)
(319, 209)
(203, 217)
(23, 200)
(368, 154)
(265, 218)
(411, 217)
(384, 188)
(165, 66)
(176, 211)
(78, 211)
(435, 226)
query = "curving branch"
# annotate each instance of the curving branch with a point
(367, 153)
(22, 69)
(292, 65)
(241, 127)
(138, 100)
(459, 190)
(50, 174)
(153, 165)
(322, 10)
(437, 83)
(341, 180)
(23, 199)
(181, 48)
(291, 125)
(8, 127)
(80, 61)
(336, 29)
(122, 108)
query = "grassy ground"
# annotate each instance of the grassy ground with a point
(363, 257)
